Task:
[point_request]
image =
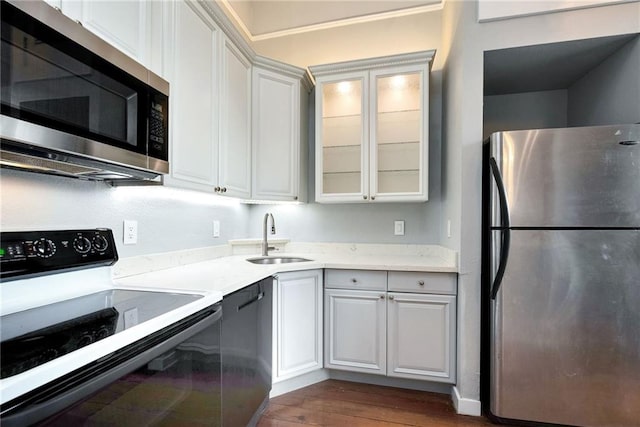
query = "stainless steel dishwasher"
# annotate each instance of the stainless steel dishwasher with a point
(246, 353)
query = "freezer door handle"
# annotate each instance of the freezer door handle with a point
(505, 225)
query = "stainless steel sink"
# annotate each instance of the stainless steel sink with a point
(276, 259)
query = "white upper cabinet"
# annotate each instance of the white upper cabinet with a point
(372, 129)
(280, 96)
(235, 123)
(193, 75)
(124, 24)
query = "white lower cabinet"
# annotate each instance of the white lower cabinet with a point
(398, 334)
(421, 336)
(297, 324)
(356, 333)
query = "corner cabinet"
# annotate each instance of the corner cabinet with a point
(280, 98)
(297, 324)
(398, 324)
(371, 129)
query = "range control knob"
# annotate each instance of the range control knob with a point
(82, 245)
(100, 244)
(44, 248)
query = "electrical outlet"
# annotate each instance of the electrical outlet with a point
(216, 228)
(130, 232)
(398, 228)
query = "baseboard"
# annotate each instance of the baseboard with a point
(382, 380)
(465, 406)
(295, 383)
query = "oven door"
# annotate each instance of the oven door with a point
(172, 376)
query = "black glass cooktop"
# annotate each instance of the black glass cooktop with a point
(35, 336)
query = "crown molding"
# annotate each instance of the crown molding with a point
(347, 21)
(286, 69)
(422, 57)
(326, 25)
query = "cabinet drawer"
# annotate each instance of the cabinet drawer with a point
(419, 282)
(356, 279)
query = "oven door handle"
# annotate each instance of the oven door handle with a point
(56, 396)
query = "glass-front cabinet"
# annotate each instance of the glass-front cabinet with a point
(372, 129)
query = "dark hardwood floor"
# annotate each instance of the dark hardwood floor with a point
(342, 403)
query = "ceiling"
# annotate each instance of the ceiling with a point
(547, 66)
(271, 18)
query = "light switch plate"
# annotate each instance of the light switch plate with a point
(398, 228)
(216, 228)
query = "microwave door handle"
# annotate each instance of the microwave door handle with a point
(505, 228)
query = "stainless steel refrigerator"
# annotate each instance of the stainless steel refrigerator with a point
(561, 276)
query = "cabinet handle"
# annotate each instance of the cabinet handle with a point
(421, 282)
(364, 197)
(391, 297)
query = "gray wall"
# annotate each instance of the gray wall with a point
(168, 219)
(610, 93)
(529, 110)
(464, 43)
(350, 223)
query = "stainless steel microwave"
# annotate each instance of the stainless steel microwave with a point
(74, 105)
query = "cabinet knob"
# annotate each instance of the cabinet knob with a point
(216, 189)
(295, 197)
(381, 296)
(364, 197)
(421, 282)
(78, 22)
(224, 189)
(373, 197)
(391, 297)
(354, 280)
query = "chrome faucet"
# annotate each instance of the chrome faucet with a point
(265, 244)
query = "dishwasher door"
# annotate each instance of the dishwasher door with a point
(246, 353)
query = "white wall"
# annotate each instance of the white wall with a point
(168, 219)
(528, 110)
(610, 93)
(462, 128)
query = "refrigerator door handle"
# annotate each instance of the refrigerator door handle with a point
(505, 225)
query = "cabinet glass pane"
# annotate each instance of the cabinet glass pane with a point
(342, 136)
(398, 131)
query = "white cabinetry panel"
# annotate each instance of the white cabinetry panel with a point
(235, 122)
(194, 114)
(421, 336)
(355, 322)
(297, 342)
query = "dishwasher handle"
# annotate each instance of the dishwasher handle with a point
(88, 380)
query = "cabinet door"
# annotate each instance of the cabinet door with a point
(235, 123)
(421, 336)
(124, 24)
(355, 331)
(399, 134)
(297, 324)
(276, 136)
(342, 140)
(194, 114)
